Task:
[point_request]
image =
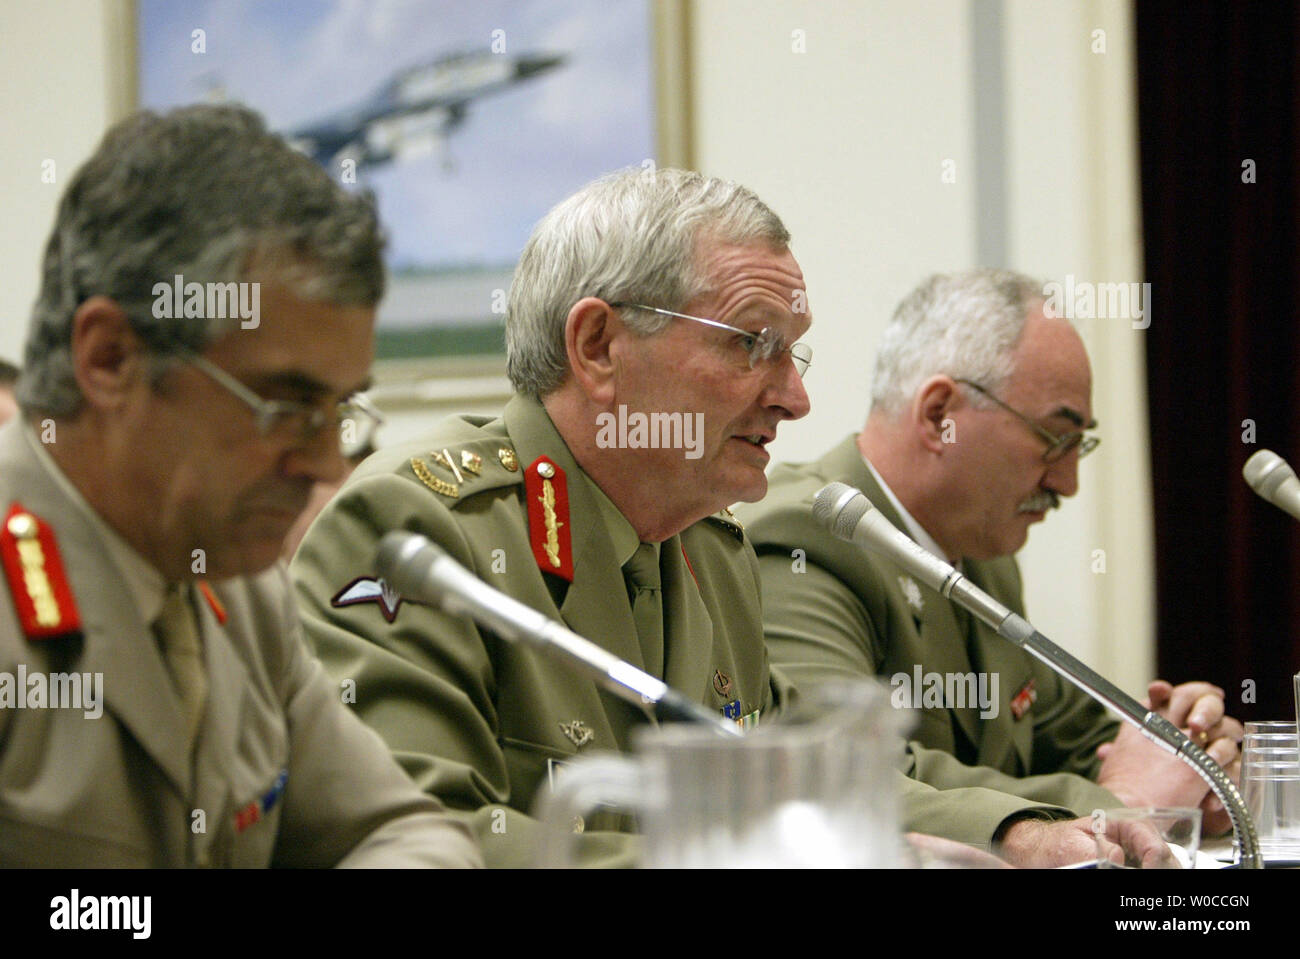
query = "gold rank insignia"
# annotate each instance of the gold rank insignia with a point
(508, 459)
(547, 493)
(471, 463)
(577, 732)
(444, 459)
(37, 581)
(435, 483)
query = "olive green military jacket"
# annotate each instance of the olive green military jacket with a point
(835, 610)
(477, 721)
(98, 775)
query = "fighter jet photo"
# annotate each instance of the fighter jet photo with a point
(413, 113)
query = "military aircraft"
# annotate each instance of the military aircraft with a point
(414, 111)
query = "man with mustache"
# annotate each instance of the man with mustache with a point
(981, 410)
(163, 450)
(647, 295)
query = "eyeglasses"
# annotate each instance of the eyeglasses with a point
(765, 345)
(297, 424)
(1057, 446)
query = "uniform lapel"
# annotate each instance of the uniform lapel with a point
(943, 639)
(1003, 734)
(688, 628)
(596, 606)
(118, 643)
(218, 738)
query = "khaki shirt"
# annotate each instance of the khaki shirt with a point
(281, 773)
(841, 611)
(480, 722)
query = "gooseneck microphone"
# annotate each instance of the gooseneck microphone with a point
(849, 515)
(1270, 476)
(421, 570)
(1274, 480)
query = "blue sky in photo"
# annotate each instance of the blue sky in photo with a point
(517, 152)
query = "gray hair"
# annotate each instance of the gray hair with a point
(965, 325)
(631, 236)
(205, 192)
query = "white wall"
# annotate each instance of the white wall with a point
(847, 141)
(57, 94)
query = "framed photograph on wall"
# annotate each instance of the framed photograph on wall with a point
(466, 120)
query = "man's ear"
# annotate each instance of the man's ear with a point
(107, 357)
(932, 409)
(588, 331)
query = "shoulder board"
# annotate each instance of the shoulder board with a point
(727, 519)
(37, 580)
(457, 471)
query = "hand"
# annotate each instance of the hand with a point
(1140, 773)
(1035, 844)
(1197, 709)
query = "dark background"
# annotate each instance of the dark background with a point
(1217, 85)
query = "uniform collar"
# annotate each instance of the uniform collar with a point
(147, 586)
(914, 529)
(526, 417)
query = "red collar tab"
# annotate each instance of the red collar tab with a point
(547, 492)
(37, 580)
(214, 603)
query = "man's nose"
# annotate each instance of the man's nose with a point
(320, 458)
(789, 393)
(1062, 477)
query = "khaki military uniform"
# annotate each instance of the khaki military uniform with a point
(477, 721)
(836, 611)
(281, 774)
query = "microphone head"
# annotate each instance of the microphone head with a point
(403, 558)
(1265, 471)
(839, 507)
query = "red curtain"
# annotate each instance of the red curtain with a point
(1218, 103)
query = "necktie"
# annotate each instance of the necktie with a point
(178, 637)
(642, 574)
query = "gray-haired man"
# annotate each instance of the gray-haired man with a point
(652, 342)
(205, 316)
(981, 407)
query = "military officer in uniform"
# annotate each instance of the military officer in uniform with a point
(205, 314)
(981, 407)
(652, 340)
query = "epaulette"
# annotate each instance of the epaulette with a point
(455, 472)
(37, 579)
(727, 519)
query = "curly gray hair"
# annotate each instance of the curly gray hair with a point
(205, 192)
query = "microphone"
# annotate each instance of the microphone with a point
(421, 570)
(1270, 476)
(850, 516)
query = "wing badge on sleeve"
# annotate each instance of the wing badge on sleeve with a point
(368, 589)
